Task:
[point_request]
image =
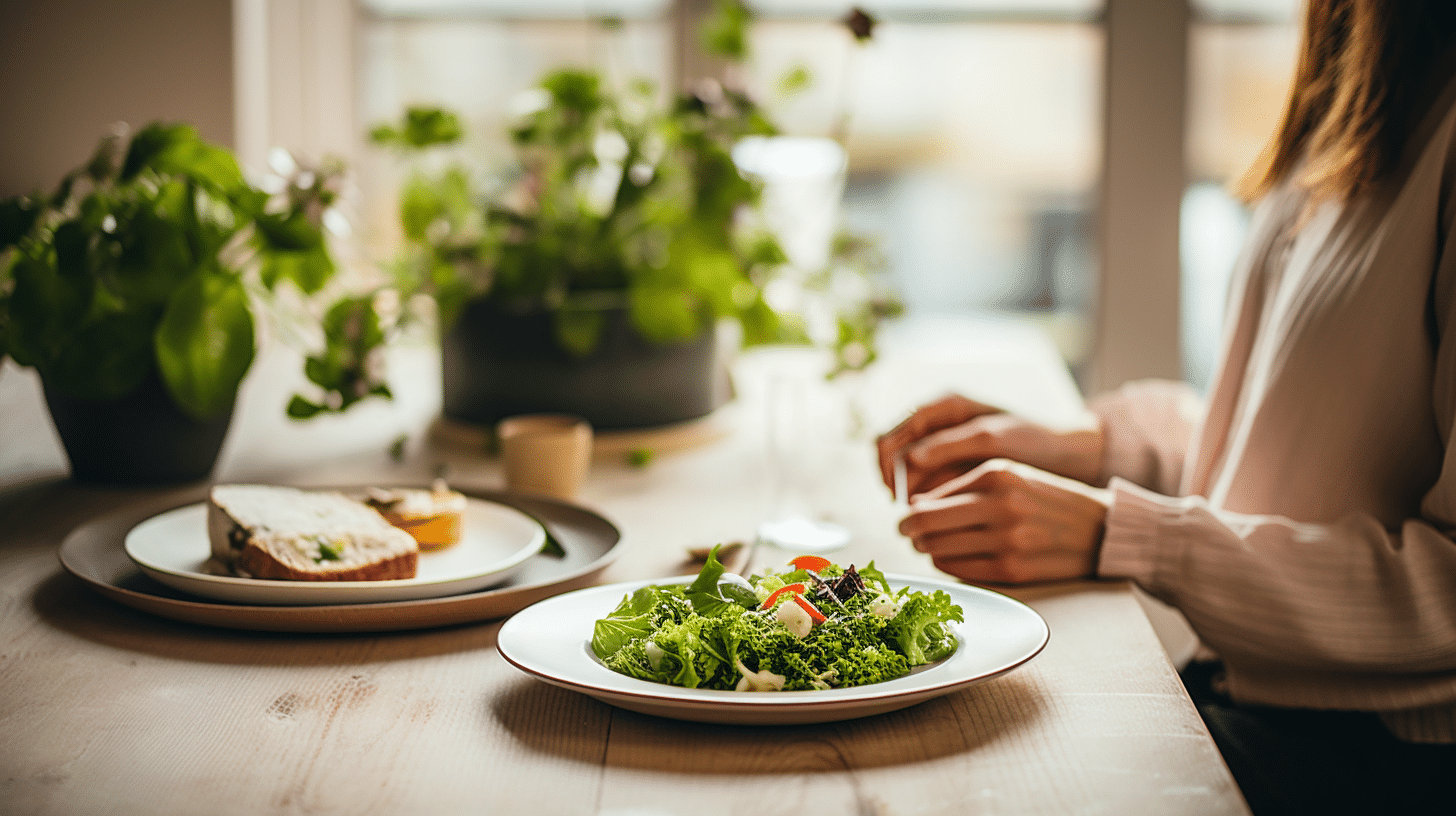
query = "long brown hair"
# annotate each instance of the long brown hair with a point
(1363, 79)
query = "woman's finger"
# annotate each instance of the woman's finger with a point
(939, 514)
(977, 439)
(1007, 571)
(1007, 522)
(921, 480)
(925, 420)
(992, 474)
(965, 542)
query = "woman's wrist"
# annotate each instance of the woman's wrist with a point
(1082, 455)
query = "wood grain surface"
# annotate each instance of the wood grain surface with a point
(105, 709)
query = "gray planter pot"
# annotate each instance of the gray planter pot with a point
(142, 438)
(497, 363)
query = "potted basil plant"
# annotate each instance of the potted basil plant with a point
(135, 288)
(588, 277)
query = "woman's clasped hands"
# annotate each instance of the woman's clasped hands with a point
(996, 498)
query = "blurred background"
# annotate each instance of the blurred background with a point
(1061, 162)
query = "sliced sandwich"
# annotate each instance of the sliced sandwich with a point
(262, 531)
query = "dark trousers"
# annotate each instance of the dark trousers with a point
(1296, 761)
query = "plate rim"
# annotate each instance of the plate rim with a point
(515, 559)
(678, 702)
(84, 550)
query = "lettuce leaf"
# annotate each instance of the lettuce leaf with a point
(711, 596)
(696, 635)
(873, 577)
(920, 630)
(638, 615)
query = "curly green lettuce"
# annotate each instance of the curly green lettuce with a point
(719, 633)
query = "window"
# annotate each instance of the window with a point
(974, 129)
(476, 58)
(973, 150)
(971, 128)
(1241, 59)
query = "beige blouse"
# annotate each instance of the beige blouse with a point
(1307, 530)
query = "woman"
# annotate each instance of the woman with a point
(1303, 519)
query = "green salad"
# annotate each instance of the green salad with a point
(816, 625)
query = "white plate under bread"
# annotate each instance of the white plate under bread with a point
(173, 548)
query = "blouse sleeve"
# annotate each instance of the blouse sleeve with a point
(1147, 427)
(1347, 596)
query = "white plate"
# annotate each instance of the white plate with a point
(551, 640)
(496, 540)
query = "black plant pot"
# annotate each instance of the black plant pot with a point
(498, 363)
(142, 438)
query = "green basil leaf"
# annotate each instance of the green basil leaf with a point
(419, 206)
(325, 370)
(426, 126)
(450, 299)
(205, 343)
(760, 323)
(107, 358)
(248, 202)
(576, 91)
(353, 323)
(310, 268)
(72, 242)
(715, 274)
(300, 408)
(288, 231)
(18, 215)
(725, 32)
(664, 314)
(45, 308)
(154, 253)
(212, 165)
(177, 149)
(384, 134)
(796, 79)
(149, 144)
(353, 336)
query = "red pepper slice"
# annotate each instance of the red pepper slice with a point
(780, 591)
(814, 614)
(812, 563)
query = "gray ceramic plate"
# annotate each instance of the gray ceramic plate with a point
(95, 554)
(172, 547)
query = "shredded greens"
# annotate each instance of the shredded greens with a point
(719, 633)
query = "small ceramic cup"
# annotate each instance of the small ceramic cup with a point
(546, 454)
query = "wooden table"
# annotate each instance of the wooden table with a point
(106, 709)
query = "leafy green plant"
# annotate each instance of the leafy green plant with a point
(156, 255)
(612, 203)
(616, 200)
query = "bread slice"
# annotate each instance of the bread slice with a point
(262, 531)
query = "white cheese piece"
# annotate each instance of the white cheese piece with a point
(793, 616)
(763, 680)
(885, 606)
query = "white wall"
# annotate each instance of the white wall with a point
(1143, 179)
(70, 68)
(296, 80)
